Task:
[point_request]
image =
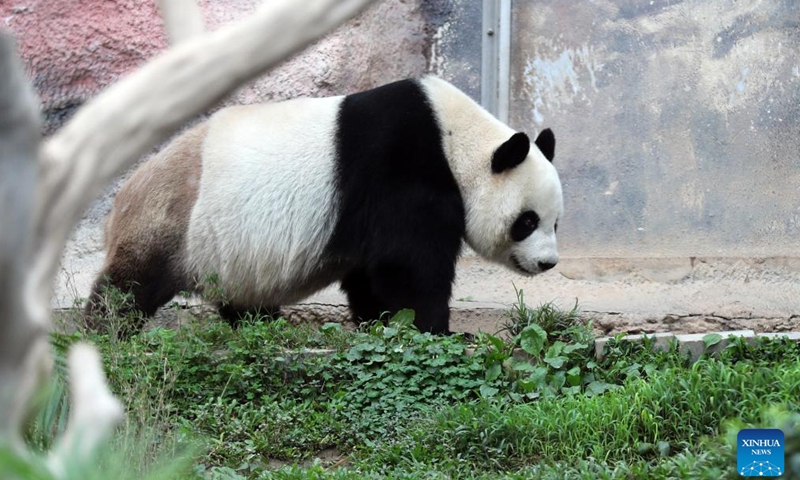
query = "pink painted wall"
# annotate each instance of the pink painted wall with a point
(74, 48)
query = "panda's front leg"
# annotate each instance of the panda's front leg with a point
(362, 299)
(432, 314)
(424, 288)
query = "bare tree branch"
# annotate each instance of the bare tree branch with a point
(23, 361)
(149, 105)
(182, 19)
(94, 411)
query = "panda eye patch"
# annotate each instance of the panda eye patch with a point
(524, 225)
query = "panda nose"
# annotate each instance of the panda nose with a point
(544, 266)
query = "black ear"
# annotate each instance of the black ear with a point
(511, 153)
(546, 142)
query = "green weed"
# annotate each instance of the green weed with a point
(547, 316)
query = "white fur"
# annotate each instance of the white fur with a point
(493, 201)
(272, 167)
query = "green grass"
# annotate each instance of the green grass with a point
(394, 403)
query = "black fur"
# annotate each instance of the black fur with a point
(155, 285)
(401, 219)
(524, 225)
(546, 142)
(511, 153)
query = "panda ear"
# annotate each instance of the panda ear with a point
(546, 142)
(511, 153)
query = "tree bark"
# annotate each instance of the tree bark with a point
(23, 362)
(182, 19)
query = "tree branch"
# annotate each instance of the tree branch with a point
(94, 411)
(23, 361)
(182, 19)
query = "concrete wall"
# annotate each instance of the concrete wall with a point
(678, 122)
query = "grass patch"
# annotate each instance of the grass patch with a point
(391, 402)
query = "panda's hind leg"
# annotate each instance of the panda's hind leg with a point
(146, 230)
(130, 289)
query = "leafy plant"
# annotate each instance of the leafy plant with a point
(762, 351)
(394, 371)
(547, 315)
(558, 354)
(212, 289)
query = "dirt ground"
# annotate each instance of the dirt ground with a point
(681, 295)
(624, 295)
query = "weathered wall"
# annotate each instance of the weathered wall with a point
(679, 122)
(72, 49)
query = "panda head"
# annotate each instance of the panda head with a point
(513, 217)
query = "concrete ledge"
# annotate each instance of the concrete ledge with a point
(667, 269)
(694, 344)
(691, 344)
(489, 317)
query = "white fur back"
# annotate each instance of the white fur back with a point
(266, 205)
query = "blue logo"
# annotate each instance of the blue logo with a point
(759, 452)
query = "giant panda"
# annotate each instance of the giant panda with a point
(267, 204)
